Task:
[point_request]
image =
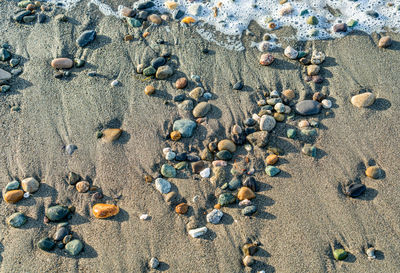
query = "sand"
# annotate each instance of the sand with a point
(302, 215)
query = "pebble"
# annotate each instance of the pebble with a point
(339, 254)
(46, 244)
(227, 144)
(318, 96)
(309, 150)
(132, 22)
(181, 156)
(238, 86)
(72, 178)
(385, 42)
(157, 62)
(371, 253)
(13, 185)
(185, 127)
(201, 109)
(181, 83)
(168, 171)
(14, 62)
(171, 5)
(288, 94)
(312, 20)
(166, 150)
(272, 159)
(164, 72)
(182, 208)
(154, 263)
(326, 104)
(266, 59)
(19, 16)
(179, 98)
(280, 107)
(245, 203)
(30, 185)
(291, 53)
(308, 107)
(115, 83)
(4, 75)
(259, 139)
(251, 183)
(128, 12)
(57, 213)
(196, 93)
(17, 220)
(215, 216)
(225, 199)
(317, 79)
(355, 190)
(5, 88)
(86, 37)
(17, 71)
(155, 19)
(224, 155)
(303, 124)
(111, 134)
(62, 63)
(207, 95)
(82, 186)
(236, 129)
(250, 122)
(308, 132)
(312, 70)
(198, 232)
(198, 166)
(105, 210)
(145, 5)
(273, 101)
(248, 260)
(219, 163)
(363, 100)
(5, 55)
(149, 71)
(149, 90)
(162, 185)
(144, 217)
(205, 173)
(249, 210)
(139, 68)
(342, 27)
(317, 57)
(74, 247)
(373, 172)
(170, 156)
(245, 193)
(272, 171)
(267, 123)
(13, 196)
(60, 234)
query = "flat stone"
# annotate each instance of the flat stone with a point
(196, 93)
(105, 210)
(162, 185)
(19, 16)
(133, 22)
(111, 134)
(245, 193)
(4, 75)
(185, 127)
(308, 107)
(57, 213)
(145, 5)
(30, 185)
(82, 186)
(373, 172)
(62, 63)
(249, 210)
(355, 190)
(272, 171)
(363, 100)
(168, 171)
(46, 244)
(85, 38)
(164, 72)
(215, 216)
(155, 19)
(74, 247)
(128, 12)
(195, 233)
(13, 196)
(13, 185)
(267, 123)
(238, 86)
(251, 183)
(226, 198)
(201, 109)
(259, 139)
(17, 220)
(149, 71)
(339, 254)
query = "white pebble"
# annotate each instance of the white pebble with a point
(274, 94)
(114, 83)
(327, 104)
(291, 53)
(198, 232)
(255, 117)
(166, 150)
(263, 46)
(280, 107)
(170, 155)
(205, 173)
(304, 124)
(26, 195)
(248, 147)
(144, 217)
(207, 95)
(195, 199)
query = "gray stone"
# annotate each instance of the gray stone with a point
(30, 185)
(86, 37)
(17, 220)
(70, 148)
(162, 185)
(57, 213)
(249, 210)
(185, 127)
(267, 123)
(259, 139)
(60, 233)
(214, 217)
(157, 62)
(154, 263)
(186, 105)
(308, 107)
(4, 75)
(46, 244)
(234, 184)
(201, 109)
(168, 171)
(74, 247)
(164, 72)
(13, 185)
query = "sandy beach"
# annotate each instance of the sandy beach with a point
(302, 213)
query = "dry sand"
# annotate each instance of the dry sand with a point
(302, 212)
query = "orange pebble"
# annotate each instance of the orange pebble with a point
(13, 196)
(217, 206)
(272, 159)
(105, 210)
(146, 34)
(182, 208)
(188, 20)
(175, 135)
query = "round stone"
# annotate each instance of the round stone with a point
(266, 59)
(181, 83)
(279, 107)
(154, 263)
(373, 172)
(317, 57)
(168, 171)
(224, 155)
(215, 216)
(162, 185)
(272, 159)
(288, 94)
(291, 53)
(226, 199)
(236, 129)
(363, 100)
(175, 135)
(74, 247)
(13, 185)
(17, 220)
(164, 72)
(13, 196)
(149, 90)
(170, 156)
(272, 171)
(82, 186)
(326, 104)
(185, 127)
(201, 109)
(46, 244)
(308, 107)
(155, 19)
(182, 208)
(249, 210)
(245, 193)
(227, 144)
(62, 63)
(105, 210)
(57, 213)
(279, 117)
(149, 71)
(267, 123)
(385, 42)
(313, 70)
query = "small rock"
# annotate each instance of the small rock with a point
(154, 263)
(312, 70)
(272, 159)
(13, 185)
(355, 190)
(17, 220)
(198, 232)
(363, 100)
(198, 166)
(339, 254)
(72, 178)
(371, 253)
(309, 150)
(214, 217)
(111, 134)
(317, 57)
(288, 94)
(5, 55)
(226, 198)
(4, 75)
(168, 171)
(259, 139)
(57, 213)
(201, 109)
(266, 59)
(128, 12)
(249, 210)
(196, 93)
(155, 19)
(82, 186)
(245, 193)
(181, 83)
(13, 196)
(164, 72)
(149, 90)
(170, 155)
(385, 42)
(30, 185)
(46, 244)
(248, 261)
(312, 20)
(227, 145)
(291, 133)
(86, 37)
(205, 173)
(308, 107)
(185, 127)
(318, 96)
(105, 210)
(238, 86)
(144, 217)
(342, 27)
(162, 185)
(373, 172)
(60, 234)
(74, 247)
(132, 22)
(291, 53)
(182, 208)
(62, 63)
(251, 183)
(326, 104)
(267, 123)
(149, 71)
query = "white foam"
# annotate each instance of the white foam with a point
(235, 16)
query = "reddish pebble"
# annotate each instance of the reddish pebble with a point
(62, 63)
(181, 83)
(266, 59)
(181, 208)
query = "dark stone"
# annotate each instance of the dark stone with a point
(73, 178)
(57, 213)
(145, 5)
(205, 50)
(249, 131)
(181, 156)
(157, 62)
(249, 210)
(238, 85)
(179, 98)
(60, 234)
(342, 27)
(251, 183)
(355, 190)
(249, 122)
(143, 15)
(192, 157)
(308, 107)
(177, 14)
(46, 244)
(5, 55)
(20, 15)
(224, 155)
(372, 13)
(86, 37)
(197, 167)
(239, 139)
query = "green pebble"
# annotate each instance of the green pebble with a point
(133, 22)
(168, 171)
(74, 247)
(352, 23)
(234, 184)
(312, 20)
(13, 185)
(226, 199)
(291, 133)
(57, 213)
(272, 171)
(308, 132)
(309, 150)
(340, 254)
(224, 155)
(181, 165)
(46, 244)
(148, 71)
(304, 12)
(301, 54)
(17, 220)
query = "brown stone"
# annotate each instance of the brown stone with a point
(128, 37)
(172, 197)
(197, 167)
(385, 41)
(318, 96)
(30, 7)
(155, 19)
(181, 208)
(105, 210)
(279, 116)
(175, 135)
(82, 186)
(288, 94)
(127, 12)
(13, 196)
(62, 63)
(181, 83)
(148, 178)
(313, 70)
(272, 159)
(149, 90)
(245, 193)
(373, 172)
(227, 144)
(111, 134)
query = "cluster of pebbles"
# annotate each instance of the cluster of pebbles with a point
(11, 69)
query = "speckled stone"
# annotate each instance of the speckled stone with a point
(17, 220)
(226, 198)
(272, 171)
(162, 185)
(308, 107)
(168, 171)
(74, 247)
